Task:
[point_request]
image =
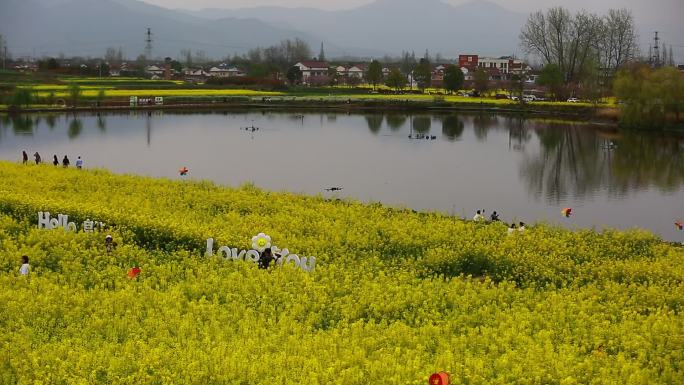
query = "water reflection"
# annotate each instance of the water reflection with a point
(577, 162)
(482, 123)
(525, 168)
(396, 121)
(51, 120)
(452, 127)
(374, 123)
(421, 124)
(22, 124)
(101, 122)
(75, 128)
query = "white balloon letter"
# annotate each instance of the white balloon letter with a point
(252, 255)
(210, 247)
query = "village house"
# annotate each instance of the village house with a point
(314, 72)
(195, 75)
(153, 70)
(224, 71)
(437, 77)
(498, 68)
(357, 71)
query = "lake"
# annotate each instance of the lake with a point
(527, 170)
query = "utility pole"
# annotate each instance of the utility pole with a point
(656, 51)
(148, 44)
(3, 44)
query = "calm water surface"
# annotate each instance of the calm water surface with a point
(527, 170)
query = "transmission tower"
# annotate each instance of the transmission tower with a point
(148, 44)
(656, 51)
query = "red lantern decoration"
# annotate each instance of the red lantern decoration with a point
(441, 378)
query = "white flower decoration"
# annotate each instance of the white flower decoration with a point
(261, 242)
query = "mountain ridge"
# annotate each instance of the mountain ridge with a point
(89, 27)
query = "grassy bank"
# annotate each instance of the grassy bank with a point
(53, 94)
(395, 296)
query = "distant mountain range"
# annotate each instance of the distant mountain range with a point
(396, 25)
(88, 27)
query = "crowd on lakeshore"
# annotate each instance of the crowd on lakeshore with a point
(494, 217)
(55, 161)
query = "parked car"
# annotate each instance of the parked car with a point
(514, 98)
(573, 100)
(529, 98)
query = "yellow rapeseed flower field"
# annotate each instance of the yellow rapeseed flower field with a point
(395, 296)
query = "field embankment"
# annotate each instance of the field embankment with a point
(70, 94)
(395, 295)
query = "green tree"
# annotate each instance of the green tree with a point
(294, 75)
(50, 98)
(396, 80)
(650, 98)
(333, 76)
(481, 78)
(101, 95)
(257, 70)
(518, 85)
(176, 66)
(74, 94)
(453, 78)
(423, 74)
(21, 97)
(374, 74)
(551, 76)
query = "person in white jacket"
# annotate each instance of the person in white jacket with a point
(25, 267)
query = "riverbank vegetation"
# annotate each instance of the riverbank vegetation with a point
(396, 295)
(650, 98)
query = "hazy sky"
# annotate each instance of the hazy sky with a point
(647, 8)
(650, 15)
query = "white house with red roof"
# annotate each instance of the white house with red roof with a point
(313, 72)
(357, 71)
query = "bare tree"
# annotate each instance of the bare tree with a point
(113, 56)
(573, 42)
(281, 56)
(186, 55)
(618, 42)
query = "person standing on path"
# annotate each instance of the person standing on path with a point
(55, 161)
(65, 162)
(79, 163)
(24, 157)
(37, 156)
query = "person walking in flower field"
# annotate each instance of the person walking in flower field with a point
(25, 267)
(478, 216)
